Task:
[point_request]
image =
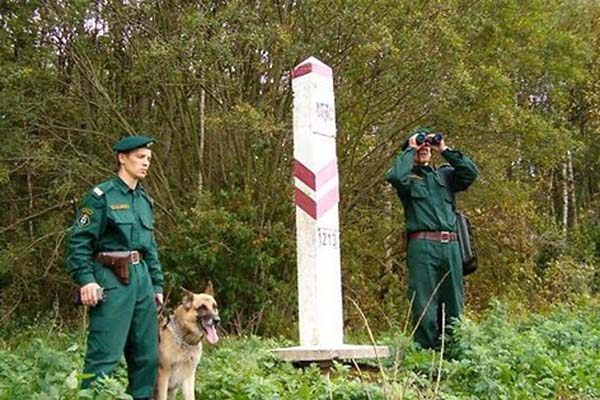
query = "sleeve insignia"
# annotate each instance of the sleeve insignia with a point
(119, 206)
(85, 217)
(98, 191)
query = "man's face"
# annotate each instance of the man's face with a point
(136, 162)
(423, 155)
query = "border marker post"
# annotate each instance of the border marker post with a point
(316, 198)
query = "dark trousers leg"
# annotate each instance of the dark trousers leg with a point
(434, 265)
(451, 290)
(141, 350)
(422, 280)
(109, 327)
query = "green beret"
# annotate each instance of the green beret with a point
(425, 131)
(132, 142)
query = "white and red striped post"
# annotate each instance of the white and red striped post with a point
(317, 222)
(316, 198)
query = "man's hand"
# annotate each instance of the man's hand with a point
(412, 141)
(89, 294)
(159, 298)
(440, 147)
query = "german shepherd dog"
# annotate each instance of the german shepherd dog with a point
(180, 346)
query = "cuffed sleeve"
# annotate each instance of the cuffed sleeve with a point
(154, 267)
(464, 171)
(150, 248)
(397, 176)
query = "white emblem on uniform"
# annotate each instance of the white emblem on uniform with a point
(85, 217)
(83, 220)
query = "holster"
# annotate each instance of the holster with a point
(118, 262)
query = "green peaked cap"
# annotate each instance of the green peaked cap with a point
(133, 142)
(425, 131)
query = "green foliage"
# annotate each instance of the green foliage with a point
(49, 368)
(515, 85)
(505, 355)
(537, 357)
(245, 262)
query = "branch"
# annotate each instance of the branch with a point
(36, 215)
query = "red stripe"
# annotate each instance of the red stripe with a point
(304, 174)
(326, 174)
(328, 201)
(317, 210)
(309, 67)
(307, 204)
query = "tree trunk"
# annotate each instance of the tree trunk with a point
(572, 217)
(389, 242)
(201, 144)
(30, 191)
(565, 199)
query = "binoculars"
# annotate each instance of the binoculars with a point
(434, 140)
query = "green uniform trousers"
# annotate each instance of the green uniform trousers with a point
(125, 323)
(429, 263)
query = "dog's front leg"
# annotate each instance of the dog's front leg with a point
(172, 394)
(187, 388)
(162, 384)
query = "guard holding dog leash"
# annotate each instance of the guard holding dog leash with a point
(112, 257)
(433, 257)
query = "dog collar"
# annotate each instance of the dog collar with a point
(176, 331)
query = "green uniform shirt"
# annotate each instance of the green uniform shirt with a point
(113, 217)
(427, 194)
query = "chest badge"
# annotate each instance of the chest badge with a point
(119, 206)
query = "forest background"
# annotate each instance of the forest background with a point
(513, 84)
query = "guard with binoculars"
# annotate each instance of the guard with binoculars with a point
(433, 255)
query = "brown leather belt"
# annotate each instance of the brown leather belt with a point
(443, 236)
(114, 257)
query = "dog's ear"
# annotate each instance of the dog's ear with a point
(187, 298)
(209, 289)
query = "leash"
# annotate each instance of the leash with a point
(163, 313)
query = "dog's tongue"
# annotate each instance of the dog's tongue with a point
(211, 335)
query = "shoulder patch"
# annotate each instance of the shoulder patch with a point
(85, 217)
(102, 189)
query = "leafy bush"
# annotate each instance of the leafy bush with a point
(557, 356)
(248, 262)
(49, 367)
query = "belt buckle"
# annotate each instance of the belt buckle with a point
(135, 257)
(445, 238)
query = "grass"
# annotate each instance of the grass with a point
(553, 356)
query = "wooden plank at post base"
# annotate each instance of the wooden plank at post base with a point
(343, 352)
